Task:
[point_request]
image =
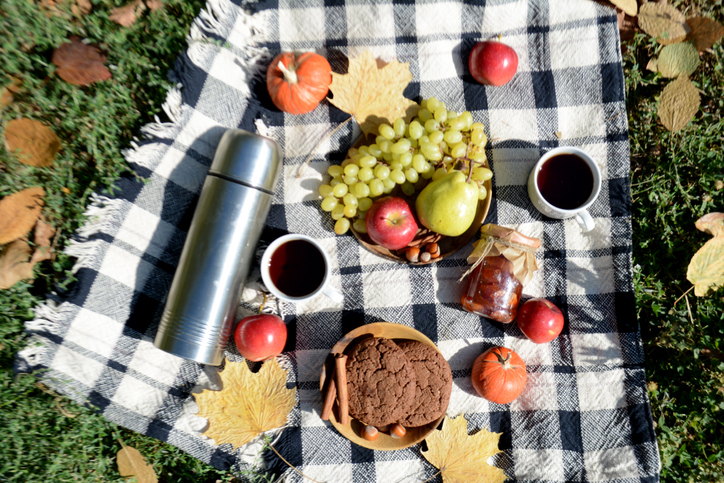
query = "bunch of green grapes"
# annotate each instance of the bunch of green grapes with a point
(405, 155)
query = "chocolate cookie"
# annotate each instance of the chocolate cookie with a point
(380, 382)
(433, 383)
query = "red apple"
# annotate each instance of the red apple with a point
(260, 337)
(390, 223)
(492, 62)
(540, 320)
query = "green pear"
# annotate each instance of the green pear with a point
(447, 206)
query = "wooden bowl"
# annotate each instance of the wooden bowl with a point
(353, 430)
(448, 245)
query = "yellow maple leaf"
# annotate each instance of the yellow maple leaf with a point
(463, 458)
(248, 405)
(373, 94)
(706, 269)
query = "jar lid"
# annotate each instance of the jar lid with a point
(248, 159)
(511, 235)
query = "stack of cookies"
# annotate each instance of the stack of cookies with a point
(406, 383)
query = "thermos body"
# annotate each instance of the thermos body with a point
(219, 248)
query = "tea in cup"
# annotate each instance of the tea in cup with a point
(296, 268)
(564, 183)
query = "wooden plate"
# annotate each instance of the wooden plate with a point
(353, 430)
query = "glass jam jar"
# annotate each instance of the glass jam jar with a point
(493, 290)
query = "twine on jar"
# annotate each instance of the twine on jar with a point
(490, 242)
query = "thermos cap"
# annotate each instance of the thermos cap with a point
(249, 159)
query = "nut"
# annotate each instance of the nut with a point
(370, 433)
(425, 257)
(397, 431)
(413, 254)
(433, 249)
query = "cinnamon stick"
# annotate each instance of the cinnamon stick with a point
(329, 396)
(340, 372)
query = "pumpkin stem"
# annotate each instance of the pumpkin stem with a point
(289, 75)
(505, 362)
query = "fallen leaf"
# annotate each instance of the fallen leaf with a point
(626, 25)
(42, 236)
(653, 65)
(678, 59)
(373, 95)
(705, 32)
(131, 463)
(663, 22)
(79, 63)
(36, 142)
(19, 212)
(248, 405)
(678, 104)
(14, 265)
(81, 7)
(706, 269)
(7, 95)
(77, 7)
(127, 15)
(712, 224)
(629, 6)
(463, 458)
(154, 5)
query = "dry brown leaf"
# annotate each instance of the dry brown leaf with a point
(706, 269)
(248, 405)
(19, 212)
(705, 32)
(80, 64)
(77, 7)
(127, 14)
(81, 7)
(663, 22)
(131, 463)
(7, 94)
(373, 95)
(678, 104)
(631, 7)
(626, 26)
(678, 59)
(36, 142)
(463, 458)
(42, 236)
(14, 265)
(154, 5)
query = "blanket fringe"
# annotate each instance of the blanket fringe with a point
(104, 215)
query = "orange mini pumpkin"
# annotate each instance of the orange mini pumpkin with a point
(499, 375)
(297, 82)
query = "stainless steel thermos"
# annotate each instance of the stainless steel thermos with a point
(199, 315)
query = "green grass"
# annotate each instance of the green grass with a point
(676, 178)
(47, 437)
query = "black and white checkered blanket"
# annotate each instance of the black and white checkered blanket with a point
(584, 415)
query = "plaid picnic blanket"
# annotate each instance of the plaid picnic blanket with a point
(584, 415)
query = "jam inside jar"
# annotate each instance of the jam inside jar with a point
(493, 290)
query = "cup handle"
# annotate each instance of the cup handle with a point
(584, 219)
(334, 294)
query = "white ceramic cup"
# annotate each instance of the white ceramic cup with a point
(324, 287)
(580, 213)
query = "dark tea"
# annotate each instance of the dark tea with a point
(565, 181)
(297, 268)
